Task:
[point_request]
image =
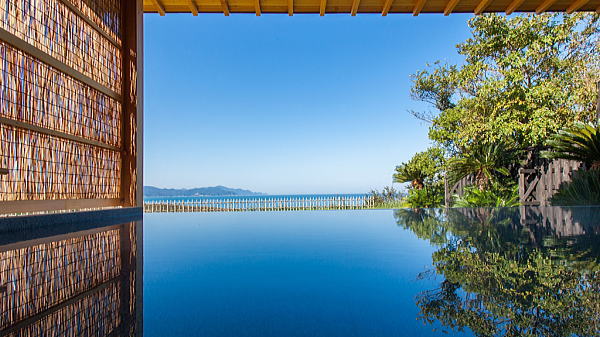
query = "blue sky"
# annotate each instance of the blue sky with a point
(286, 105)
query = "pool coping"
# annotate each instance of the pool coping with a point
(26, 227)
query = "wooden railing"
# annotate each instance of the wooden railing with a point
(260, 204)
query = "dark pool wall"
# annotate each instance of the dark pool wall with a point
(87, 282)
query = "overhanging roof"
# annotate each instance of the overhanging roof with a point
(353, 7)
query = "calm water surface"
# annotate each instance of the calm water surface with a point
(469, 272)
(283, 274)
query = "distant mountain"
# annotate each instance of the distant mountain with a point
(151, 191)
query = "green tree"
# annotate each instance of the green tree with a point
(523, 78)
(424, 172)
(422, 169)
(486, 162)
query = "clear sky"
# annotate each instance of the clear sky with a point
(286, 105)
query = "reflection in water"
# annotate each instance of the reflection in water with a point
(499, 272)
(512, 272)
(76, 284)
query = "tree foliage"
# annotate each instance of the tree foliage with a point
(484, 161)
(423, 169)
(503, 278)
(523, 78)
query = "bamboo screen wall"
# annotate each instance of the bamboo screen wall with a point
(96, 314)
(83, 285)
(42, 276)
(68, 103)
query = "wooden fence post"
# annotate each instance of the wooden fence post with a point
(598, 102)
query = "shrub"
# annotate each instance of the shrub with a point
(580, 142)
(388, 198)
(584, 189)
(426, 197)
(495, 196)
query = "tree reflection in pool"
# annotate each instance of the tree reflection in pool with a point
(512, 272)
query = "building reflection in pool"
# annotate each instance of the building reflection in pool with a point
(512, 272)
(85, 283)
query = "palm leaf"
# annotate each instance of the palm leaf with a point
(580, 142)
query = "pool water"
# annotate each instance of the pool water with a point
(462, 272)
(282, 274)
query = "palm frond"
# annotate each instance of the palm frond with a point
(580, 142)
(488, 160)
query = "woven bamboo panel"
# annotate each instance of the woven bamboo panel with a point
(33, 92)
(105, 13)
(94, 315)
(44, 167)
(52, 27)
(41, 276)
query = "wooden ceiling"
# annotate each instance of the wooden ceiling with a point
(353, 7)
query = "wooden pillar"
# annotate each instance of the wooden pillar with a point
(447, 196)
(598, 102)
(131, 276)
(125, 276)
(133, 102)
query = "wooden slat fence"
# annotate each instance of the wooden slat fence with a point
(538, 180)
(259, 204)
(457, 189)
(538, 184)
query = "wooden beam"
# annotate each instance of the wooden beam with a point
(257, 7)
(598, 102)
(544, 6)
(159, 7)
(513, 6)
(418, 7)
(40, 239)
(576, 5)
(598, 10)
(386, 7)
(225, 7)
(18, 43)
(54, 133)
(3, 171)
(322, 7)
(28, 206)
(290, 7)
(481, 6)
(450, 7)
(90, 22)
(193, 7)
(355, 4)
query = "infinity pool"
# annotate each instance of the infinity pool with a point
(485, 272)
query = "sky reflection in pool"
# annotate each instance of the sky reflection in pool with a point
(289, 273)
